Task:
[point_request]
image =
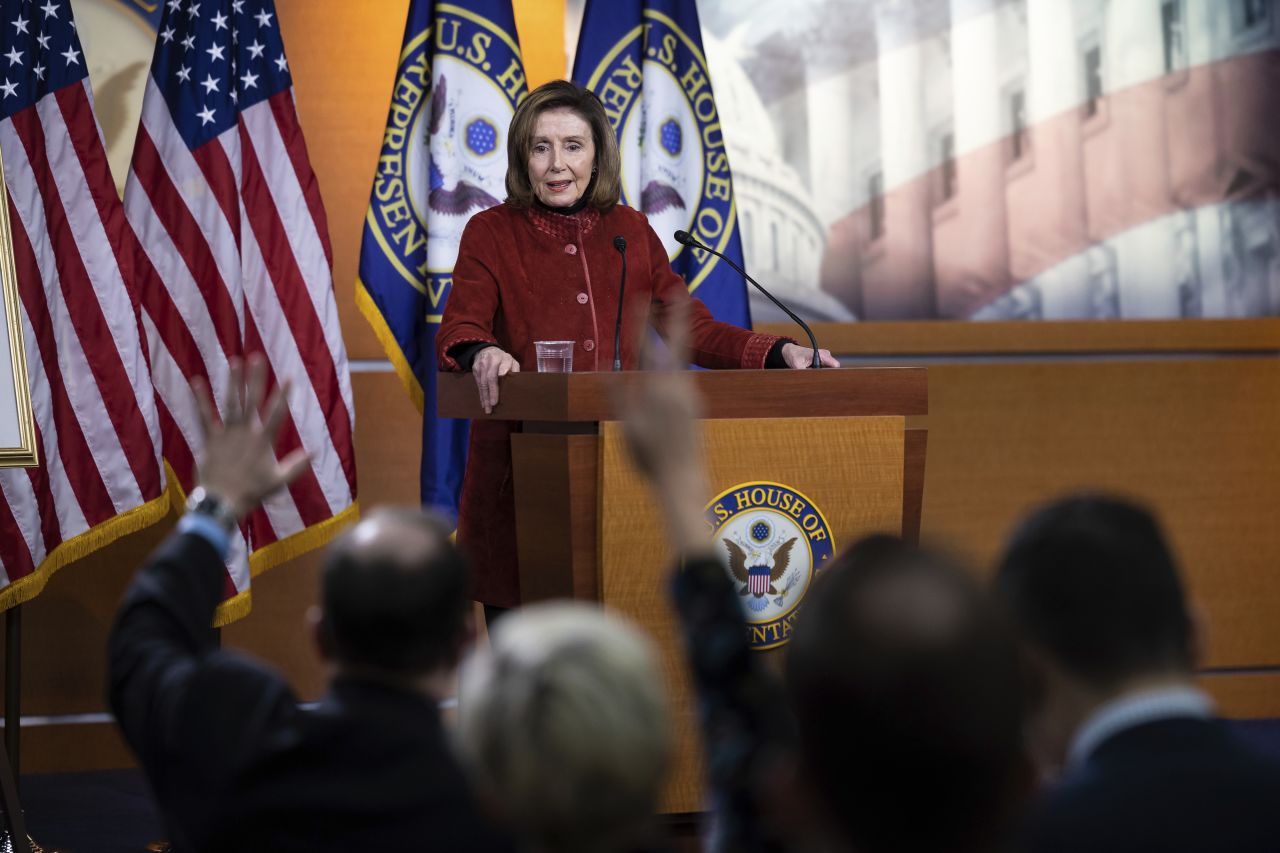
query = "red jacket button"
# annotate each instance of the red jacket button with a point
(571, 249)
(582, 299)
(589, 345)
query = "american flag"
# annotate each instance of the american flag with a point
(228, 211)
(97, 432)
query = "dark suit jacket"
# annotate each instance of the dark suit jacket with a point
(1174, 785)
(234, 761)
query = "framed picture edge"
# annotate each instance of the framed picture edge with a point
(25, 454)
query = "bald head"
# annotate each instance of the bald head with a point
(906, 689)
(393, 594)
(397, 536)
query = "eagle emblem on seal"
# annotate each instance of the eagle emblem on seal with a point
(759, 566)
(445, 164)
(776, 540)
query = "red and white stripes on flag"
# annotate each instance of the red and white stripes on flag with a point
(100, 474)
(239, 262)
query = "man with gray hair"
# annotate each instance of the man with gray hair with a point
(233, 758)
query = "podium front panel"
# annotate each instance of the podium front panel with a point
(849, 471)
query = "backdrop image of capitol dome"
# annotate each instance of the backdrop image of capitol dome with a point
(1001, 159)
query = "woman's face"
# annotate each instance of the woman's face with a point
(561, 157)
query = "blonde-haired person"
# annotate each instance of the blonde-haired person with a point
(564, 723)
(546, 265)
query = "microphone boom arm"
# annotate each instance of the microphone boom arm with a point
(687, 239)
(620, 243)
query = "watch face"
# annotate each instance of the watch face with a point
(201, 502)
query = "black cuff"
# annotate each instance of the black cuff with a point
(465, 354)
(774, 360)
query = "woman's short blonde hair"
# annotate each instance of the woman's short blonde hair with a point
(564, 722)
(606, 186)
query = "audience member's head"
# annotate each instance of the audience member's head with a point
(564, 721)
(1090, 582)
(393, 596)
(907, 691)
(1092, 589)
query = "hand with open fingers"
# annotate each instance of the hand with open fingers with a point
(490, 364)
(799, 358)
(239, 461)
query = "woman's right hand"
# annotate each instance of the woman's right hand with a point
(490, 364)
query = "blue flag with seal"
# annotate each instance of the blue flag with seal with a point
(458, 81)
(644, 59)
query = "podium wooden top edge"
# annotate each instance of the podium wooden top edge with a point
(586, 396)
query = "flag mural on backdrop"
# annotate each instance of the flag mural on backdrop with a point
(458, 81)
(644, 59)
(97, 434)
(238, 261)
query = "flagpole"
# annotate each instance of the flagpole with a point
(13, 685)
(14, 834)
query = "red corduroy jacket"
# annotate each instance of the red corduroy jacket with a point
(525, 275)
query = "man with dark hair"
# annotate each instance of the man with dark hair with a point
(1093, 590)
(908, 696)
(234, 760)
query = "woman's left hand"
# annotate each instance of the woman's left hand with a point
(798, 357)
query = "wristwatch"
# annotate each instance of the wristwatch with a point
(201, 501)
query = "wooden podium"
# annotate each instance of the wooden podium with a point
(585, 522)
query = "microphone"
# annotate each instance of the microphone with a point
(684, 238)
(620, 243)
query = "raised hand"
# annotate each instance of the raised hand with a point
(239, 461)
(659, 409)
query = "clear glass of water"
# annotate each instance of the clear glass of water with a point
(554, 356)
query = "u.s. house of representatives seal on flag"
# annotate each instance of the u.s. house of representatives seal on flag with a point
(458, 80)
(775, 540)
(644, 59)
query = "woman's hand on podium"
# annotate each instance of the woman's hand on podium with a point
(490, 364)
(798, 357)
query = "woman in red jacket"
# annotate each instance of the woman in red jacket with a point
(543, 266)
